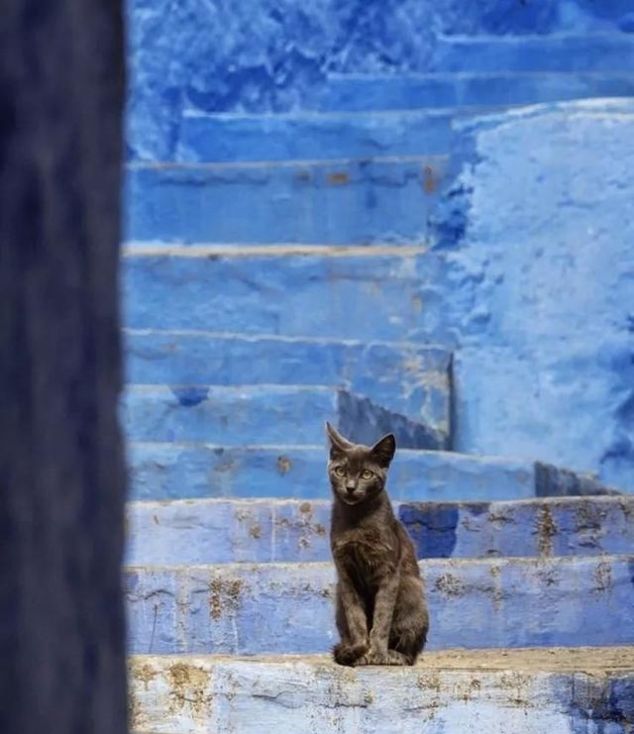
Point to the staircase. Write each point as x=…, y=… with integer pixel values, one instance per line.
x=286, y=269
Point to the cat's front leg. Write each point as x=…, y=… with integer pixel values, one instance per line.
x=351, y=623
x=384, y=603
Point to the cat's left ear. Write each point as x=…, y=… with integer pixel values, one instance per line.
x=383, y=451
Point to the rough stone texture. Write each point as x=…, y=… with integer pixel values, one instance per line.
x=61, y=472
x=255, y=531
x=523, y=691
x=546, y=269
x=283, y=608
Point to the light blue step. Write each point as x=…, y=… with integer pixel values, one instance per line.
x=316, y=202
x=268, y=414
x=587, y=52
x=228, y=415
x=260, y=531
x=162, y=471
x=289, y=608
x=528, y=691
x=406, y=378
x=309, y=136
x=391, y=294
x=358, y=92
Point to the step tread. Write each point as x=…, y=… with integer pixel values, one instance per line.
x=278, y=338
x=256, y=165
x=450, y=76
x=171, y=470
x=462, y=89
x=239, y=414
x=358, y=201
x=319, y=567
x=546, y=659
x=306, y=295
x=134, y=249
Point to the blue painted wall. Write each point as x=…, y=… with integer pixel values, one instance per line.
x=545, y=269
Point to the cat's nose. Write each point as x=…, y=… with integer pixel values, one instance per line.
x=350, y=488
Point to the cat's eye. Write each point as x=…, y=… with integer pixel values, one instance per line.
x=366, y=474
x=339, y=471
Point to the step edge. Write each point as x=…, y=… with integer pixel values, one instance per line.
x=282, y=339
x=134, y=249
x=247, y=566
x=177, y=165
x=599, y=500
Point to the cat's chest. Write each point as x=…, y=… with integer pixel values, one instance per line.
x=363, y=552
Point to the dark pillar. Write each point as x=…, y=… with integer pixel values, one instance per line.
x=62, y=665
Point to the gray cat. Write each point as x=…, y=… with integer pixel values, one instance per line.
x=381, y=612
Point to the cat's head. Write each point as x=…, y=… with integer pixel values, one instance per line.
x=358, y=473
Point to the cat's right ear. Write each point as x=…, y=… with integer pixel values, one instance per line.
x=338, y=444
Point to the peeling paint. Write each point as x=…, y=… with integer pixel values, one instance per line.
x=188, y=689
x=546, y=529
x=224, y=596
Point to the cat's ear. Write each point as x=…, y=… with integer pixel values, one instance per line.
x=338, y=444
x=383, y=451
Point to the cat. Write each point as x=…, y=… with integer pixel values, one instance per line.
x=381, y=613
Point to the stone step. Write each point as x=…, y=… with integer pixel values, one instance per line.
x=365, y=294
x=528, y=691
x=227, y=138
x=261, y=531
x=587, y=52
x=289, y=608
x=315, y=202
x=163, y=471
x=365, y=92
x=406, y=378
x=176, y=470
x=269, y=414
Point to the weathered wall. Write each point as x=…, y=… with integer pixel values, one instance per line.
x=62, y=664
x=545, y=273
x=273, y=55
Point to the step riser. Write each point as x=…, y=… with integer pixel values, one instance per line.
x=357, y=203
x=356, y=94
x=312, y=137
x=385, y=297
x=291, y=696
x=233, y=417
x=164, y=471
x=541, y=53
x=413, y=381
x=260, y=532
x=289, y=608
x=268, y=415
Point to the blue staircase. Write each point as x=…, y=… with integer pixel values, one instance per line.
x=294, y=264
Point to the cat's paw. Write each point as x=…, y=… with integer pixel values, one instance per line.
x=387, y=657
x=345, y=653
